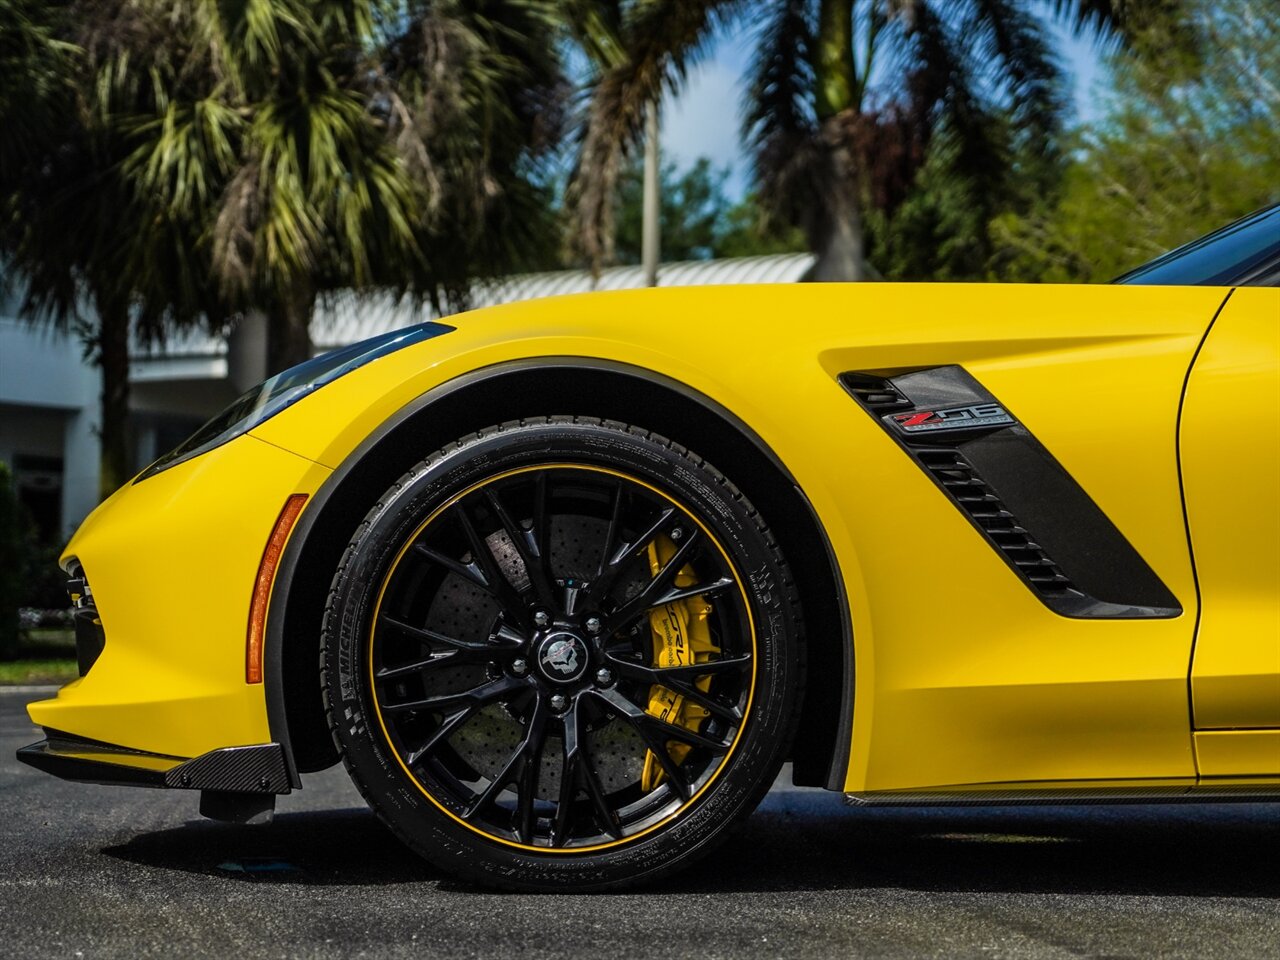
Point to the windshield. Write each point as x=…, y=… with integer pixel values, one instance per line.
x=1245, y=252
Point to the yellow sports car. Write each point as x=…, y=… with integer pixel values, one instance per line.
x=564, y=583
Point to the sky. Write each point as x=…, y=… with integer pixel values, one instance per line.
x=704, y=120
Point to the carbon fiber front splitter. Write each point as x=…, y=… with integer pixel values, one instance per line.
x=236, y=783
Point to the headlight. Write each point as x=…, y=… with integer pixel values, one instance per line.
x=284, y=389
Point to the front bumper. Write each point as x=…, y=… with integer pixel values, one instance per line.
x=172, y=561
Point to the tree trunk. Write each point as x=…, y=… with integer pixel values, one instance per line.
x=835, y=230
x=113, y=360
x=837, y=239
x=289, y=329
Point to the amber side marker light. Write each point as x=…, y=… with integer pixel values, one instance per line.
x=262, y=588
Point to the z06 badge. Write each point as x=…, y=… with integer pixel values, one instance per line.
x=952, y=418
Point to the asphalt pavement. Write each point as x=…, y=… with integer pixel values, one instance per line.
x=88, y=871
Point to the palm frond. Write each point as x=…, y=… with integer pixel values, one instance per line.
x=1123, y=20
x=662, y=40
x=944, y=91
x=37, y=65
x=1020, y=64
x=779, y=125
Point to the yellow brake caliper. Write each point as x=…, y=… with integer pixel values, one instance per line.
x=680, y=637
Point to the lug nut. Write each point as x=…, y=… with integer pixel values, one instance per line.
x=593, y=624
x=676, y=533
x=604, y=677
x=558, y=702
x=541, y=618
x=519, y=667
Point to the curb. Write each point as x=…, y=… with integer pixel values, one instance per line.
x=31, y=688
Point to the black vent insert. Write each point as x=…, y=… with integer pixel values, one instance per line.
x=948, y=466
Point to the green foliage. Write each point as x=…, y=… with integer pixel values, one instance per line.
x=1189, y=141
x=12, y=565
x=746, y=231
x=941, y=228
x=692, y=207
x=697, y=219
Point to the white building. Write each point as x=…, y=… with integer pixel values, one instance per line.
x=49, y=394
x=48, y=422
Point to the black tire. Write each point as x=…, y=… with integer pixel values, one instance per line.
x=538, y=500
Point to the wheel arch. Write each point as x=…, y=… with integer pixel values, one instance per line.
x=558, y=386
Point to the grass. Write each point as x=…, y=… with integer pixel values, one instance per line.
x=45, y=655
x=48, y=642
x=22, y=672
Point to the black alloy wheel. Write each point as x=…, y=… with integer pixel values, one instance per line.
x=547, y=647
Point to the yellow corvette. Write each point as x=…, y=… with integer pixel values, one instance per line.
x=564, y=583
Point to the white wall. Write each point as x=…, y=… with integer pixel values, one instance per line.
x=49, y=407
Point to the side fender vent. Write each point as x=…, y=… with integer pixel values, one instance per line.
x=1016, y=494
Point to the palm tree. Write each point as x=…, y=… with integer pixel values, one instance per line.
x=844, y=98
x=86, y=250
x=341, y=144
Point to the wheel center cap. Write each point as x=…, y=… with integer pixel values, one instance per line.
x=562, y=657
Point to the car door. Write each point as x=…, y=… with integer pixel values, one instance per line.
x=1230, y=454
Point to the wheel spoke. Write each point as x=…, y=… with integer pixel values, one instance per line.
x=432, y=662
x=520, y=768
x=541, y=531
x=640, y=718
x=653, y=736
x=702, y=698
x=625, y=616
x=570, y=758
x=611, y=532
x=711, y=589
x=527, y=793
x=491, y=692
x=496, y=581
x=526, y=547
x=510, y=639
x=678, y=674
x=615, y=564
x=605, y=817
x=468, y=571
x=449, y=726
x=577, y=769
x=677, y=783
x=693, y=738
